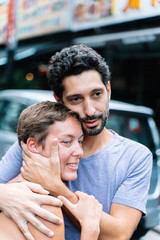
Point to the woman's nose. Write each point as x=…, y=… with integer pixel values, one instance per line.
x=78, y=150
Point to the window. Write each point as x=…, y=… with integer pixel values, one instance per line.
x=131, y=126
x=9, y=114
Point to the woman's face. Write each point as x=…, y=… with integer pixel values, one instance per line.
x=70, y=136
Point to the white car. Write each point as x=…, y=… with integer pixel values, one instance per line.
x=129, y=120
x=12, y=102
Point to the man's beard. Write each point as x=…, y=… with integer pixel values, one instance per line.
x=95, y=130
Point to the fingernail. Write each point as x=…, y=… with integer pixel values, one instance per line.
x=60, y=198
x=50, y=234
x=60, y=222
x=61, y=203
x=47, y=192
x=55, y=141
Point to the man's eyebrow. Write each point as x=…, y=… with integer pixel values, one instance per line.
x=97, y=89
x=69, y=97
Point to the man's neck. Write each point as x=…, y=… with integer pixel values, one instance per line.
x=93, y=144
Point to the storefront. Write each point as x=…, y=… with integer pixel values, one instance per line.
x=125, y=32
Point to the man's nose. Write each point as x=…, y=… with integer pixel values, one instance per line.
x=88, y=108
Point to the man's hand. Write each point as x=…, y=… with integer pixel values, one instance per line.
x=22, y=201
x=88, y=212
x=38, y=169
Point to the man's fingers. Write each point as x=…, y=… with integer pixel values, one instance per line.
x=24, y=165
x=49, y=200
x=23, y=169
x=23, y=226
x=55, y=155
x=54, y=150
x=41, y=227
x=38, y=225
x=28, y=155
x=25, y=149
x=37, y=188
x=66, y=202
x=45, y=214
x=80, y=194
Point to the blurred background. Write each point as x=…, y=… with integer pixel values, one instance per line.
x=126, y=33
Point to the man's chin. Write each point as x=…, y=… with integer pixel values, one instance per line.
x=92, y=132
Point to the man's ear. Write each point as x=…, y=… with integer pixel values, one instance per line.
x=109, y=89
x=32, y=145
x=57, y=98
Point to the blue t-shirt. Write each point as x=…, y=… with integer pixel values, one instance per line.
x=118, y=173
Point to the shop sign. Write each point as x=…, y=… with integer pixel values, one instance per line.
x=88, y=13
x=96, y=13
x=3, y=19
x=10, y=38
x=39, y=17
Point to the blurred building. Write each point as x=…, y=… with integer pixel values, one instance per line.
x=125, y=32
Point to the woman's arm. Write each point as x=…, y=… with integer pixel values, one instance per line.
x=10, y=231
x=57, y=230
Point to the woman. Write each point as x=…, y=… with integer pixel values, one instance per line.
x=40, y=126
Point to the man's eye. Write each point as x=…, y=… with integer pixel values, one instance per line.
x=97, y=94
x=75, y=99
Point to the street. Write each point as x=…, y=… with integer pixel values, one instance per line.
x=153, y=234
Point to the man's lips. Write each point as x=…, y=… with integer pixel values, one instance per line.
x=91, y=123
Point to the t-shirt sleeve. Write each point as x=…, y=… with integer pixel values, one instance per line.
x=11, y=163
x=133, y=191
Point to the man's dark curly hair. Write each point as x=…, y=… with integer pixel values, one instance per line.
x=73, y=61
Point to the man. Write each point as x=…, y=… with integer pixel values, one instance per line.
x=114, y=169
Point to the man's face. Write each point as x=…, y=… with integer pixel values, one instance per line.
x=87, y=95
x=70, y=136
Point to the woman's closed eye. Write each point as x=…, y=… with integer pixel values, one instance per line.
x=80, y=140
x=67, y=142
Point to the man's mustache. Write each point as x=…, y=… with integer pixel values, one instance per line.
x=94, y=117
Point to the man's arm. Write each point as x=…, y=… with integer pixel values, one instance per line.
x=11, y=163
x=119, y=224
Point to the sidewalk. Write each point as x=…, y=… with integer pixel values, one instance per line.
x=152, y=234
x=157, y=229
